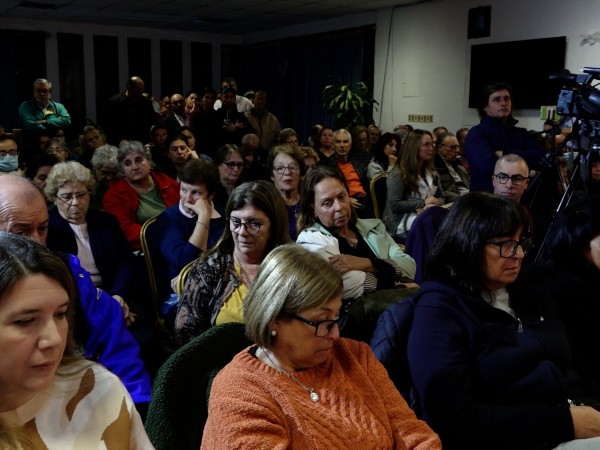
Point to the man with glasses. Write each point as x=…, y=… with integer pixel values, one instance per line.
x=41, y=115
x=453, y=176
x=9, y=157
x=497, y=135
x=511, y=176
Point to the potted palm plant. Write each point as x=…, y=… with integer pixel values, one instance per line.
x=351, y=104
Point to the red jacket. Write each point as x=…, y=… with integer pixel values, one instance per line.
x=122, y=200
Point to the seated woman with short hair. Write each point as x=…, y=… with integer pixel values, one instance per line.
x=301, y=386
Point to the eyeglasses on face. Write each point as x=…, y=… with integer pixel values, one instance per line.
x=503, y=178
x=234, y=165
x=453, y=146
x=322, y=327
x=4, y=153
x=292, y=168
x=252, y=226
x=68, y=198
x=509, y=247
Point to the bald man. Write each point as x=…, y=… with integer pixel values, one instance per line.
x=101, y=328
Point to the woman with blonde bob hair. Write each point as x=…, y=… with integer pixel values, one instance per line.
x=285, y=391
x=43, y=381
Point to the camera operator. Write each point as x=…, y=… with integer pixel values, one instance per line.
x=496, y=135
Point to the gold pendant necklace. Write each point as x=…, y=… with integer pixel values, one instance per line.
x=311, y=391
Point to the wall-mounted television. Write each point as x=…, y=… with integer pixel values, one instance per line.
x=525, y=65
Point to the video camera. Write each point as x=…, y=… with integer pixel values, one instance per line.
x=579, y=98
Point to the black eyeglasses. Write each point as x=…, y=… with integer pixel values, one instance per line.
x=234, y=165
x=322, y=327
x=517, y=180
x=509, y=247
x=4, y=153
x=252, y=226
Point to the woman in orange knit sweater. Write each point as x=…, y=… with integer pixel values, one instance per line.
x=301, y=385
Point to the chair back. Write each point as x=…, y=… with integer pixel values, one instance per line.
x=156, y=266
x=183, y=276
x=179, y=406
x=421, y=236
x=378, y=190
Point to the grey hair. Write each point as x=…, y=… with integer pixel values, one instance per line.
x=68, y=172
x=133, y=146
x=340, y=131
x=42, y=81
x=105, y=156
x=310, y=282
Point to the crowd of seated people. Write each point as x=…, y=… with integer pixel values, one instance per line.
x=223, y=202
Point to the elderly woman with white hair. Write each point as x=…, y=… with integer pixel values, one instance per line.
x=94, y=236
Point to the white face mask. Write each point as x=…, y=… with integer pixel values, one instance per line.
x=9, y=163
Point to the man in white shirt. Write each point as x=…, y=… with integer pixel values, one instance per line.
x=243, y=104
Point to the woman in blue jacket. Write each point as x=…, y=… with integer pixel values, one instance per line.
x=490, y=359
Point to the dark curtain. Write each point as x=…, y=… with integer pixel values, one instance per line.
x=295, y=71
x=106, y=57
x=72, y=81
x=23, y=60
x=171, y=70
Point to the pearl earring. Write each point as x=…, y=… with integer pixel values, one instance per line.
x=273, y=332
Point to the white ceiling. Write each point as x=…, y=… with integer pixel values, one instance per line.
x=236, y=17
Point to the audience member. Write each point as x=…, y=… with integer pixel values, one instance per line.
x=105, y=168
x=286, y=168
x=264, y=122
x=412, y=185
x=289, y=136
x=453, y=176
x=178, y=117
x=315, y=136
x=204, y=123
x=188, y=132
x=129, y=115
x=230, y=163
x=461, y=135
x=193, y=225
x=93, y=137
x=9, y=156
x=100, y=327
x=285, y=391
x=326, y=151
x=44, y=381
x=511, y=176
x=37, y=170
x=385, y=153
x=219, y=280
x=496, y=135
x=58, y=147
x=158, y=139
x=40, y=115
x=255, y=158
x=232, y=125
x=140, y=194
x=360, y=249
x=242, y=103
x=94, y=236
x=570, y=272
x=178, y=153
x=310, y=157
x=354, y=173
x=374, y=134
x=489, y=357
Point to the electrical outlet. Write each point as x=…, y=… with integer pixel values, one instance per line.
x=422, y=118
